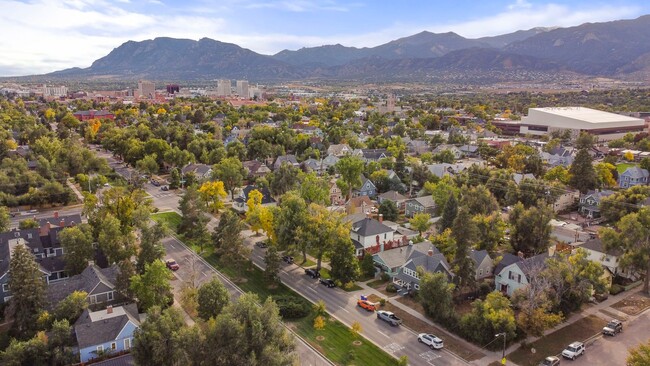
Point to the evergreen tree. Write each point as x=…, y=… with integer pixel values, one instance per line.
x=27, y=288
x=583, y=173
x=272, y=260
x=449, y=213
x=400, y=164
x=464, y=233
x=228, y=242
x=193, y=221
x=389, y=210
x=175, y=179
x=151, y=248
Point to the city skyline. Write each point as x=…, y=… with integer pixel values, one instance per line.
x=46, y=35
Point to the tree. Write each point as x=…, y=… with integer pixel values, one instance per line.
x=27, y=290
x=623, y=202
x=436, y=296
x=449, y=213
x=213, y=192
x=157, y=341
x=72, y=306
x=356, y=329
x=389, y=210
x=124, y=275
x=272, y=260
x=292, y=214
x=228, y=242
x=283, y=179
x=193, y=221
x=28, y=224
x=115, y=244
x=632, y=238
x=253, y=214
x=530, y=229
x=30, y=352
x=60, y=344
x=319, y=322
x=558, y=173
x=367, y=266
x=350, y=167
x=420, y=222
x=77, y=244
x=314, y=189
x=489, y=317
x=605, y=173
x=479, y=201
x=639, y=356
x=464, y=233
x=152, y=288
x=4, y=219
x=212, y=298
x=148, y=165
x=583, y=175
x=321, y=230
x=491, y=231
x=345, y=266
x=231, y=172
x=151, y=248
x=174, y=179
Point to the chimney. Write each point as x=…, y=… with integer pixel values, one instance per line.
x=430, y=252
x=520, y=254
x=551, y=250
x=109, y=309
x=56, y=214
x=381, y=217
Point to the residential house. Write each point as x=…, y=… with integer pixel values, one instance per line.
x=395, y=197
x=518, y=177
x=369, y=233
x=454, y=150
x=339, y=150
x=374, y=154
x=361, y=204
x=518, y=274
x=255, y=169
x=633, y=176
x=288, y=159
x=608, y=258
x=336, y=195
x=367, y=188
x=200, y=171
x=470, y=151
x=483, y=264
x=417, y=147
x=313, y=165
x=8, y=242
x=424, y=204
x=98, y=283
x=557, y=157
x=442, y=169
x=407, y=278
x=566, y=200
x=589, y=205
x=106, y=331
x=91, y=114
x=240, y=203
x=329, y=161
x=390, y=261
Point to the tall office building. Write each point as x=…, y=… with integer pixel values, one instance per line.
x=54, y=91
x=242, y=89
x=224, y=88
x=146, y=89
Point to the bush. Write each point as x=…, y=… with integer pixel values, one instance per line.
x=385, y=276
x=382, y=302
x=483, y=289
x=616, y=289
x=391, y=287
x=292, y=307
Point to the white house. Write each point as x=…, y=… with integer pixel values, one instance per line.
x=369, y=232
x=516, y=275
x=607, y=258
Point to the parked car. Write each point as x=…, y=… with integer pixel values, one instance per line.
x=155, y=182
x=171, y=264
x=430, y=340
x=365, y=304
x=164, y=188
x=288, y=259
x=311, y=272
x=261, y=244
x=614, y=326
x=389, y=317
x=574, y=350
x=327, y=282
x=550, y=361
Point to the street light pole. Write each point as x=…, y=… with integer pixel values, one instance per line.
x=503, y=352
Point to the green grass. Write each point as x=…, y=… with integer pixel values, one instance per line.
x=306, y=264
x=353, y=287
x=338, y=339
x=377, y=283
x=623, y=166
x=555, y=342
x=337, y=343
x=169, y=219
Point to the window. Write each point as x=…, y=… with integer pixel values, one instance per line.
x=519, y=278
x=113, y=346
x=5, y=287
x=127, y=343
x=110, y=296
x=480, y=272
x=511, y=276
x=100, y=349
x=93, y=299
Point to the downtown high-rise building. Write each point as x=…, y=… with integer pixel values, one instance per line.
x=242, y=89
x=224, y=88
x=146, y=89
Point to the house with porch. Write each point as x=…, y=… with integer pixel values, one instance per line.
x=369, y=233
x=516, y=275
x=395, y=197
x=608, y=258
x=285, y=159
x=407, y=277
x=367, y=188
x=98, y=283
x=107, y=331
x=424, y=204
x=633, y=176
x=589, y=205
x=339, y=150
x=390, y=261
x=200, y=171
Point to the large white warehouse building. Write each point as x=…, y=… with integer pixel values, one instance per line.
x=604, y=125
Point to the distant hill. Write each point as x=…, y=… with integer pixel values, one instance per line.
x=614, y=49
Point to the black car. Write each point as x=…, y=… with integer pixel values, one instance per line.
x=288, y=259
x=261, y=244
x=327, y=282
x=312, y=273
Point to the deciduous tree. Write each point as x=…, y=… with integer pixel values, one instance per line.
x=213, y=193
x=152, y=288
x=489, y=317
x=639, y=355
x=530, y=229
x=272, y=261
x=77, y=244
x=212, y=298
x=231, y=172
x=350, y=168
x=158, y=341
x=436, y=296
x=151, y=248
x=420, y=222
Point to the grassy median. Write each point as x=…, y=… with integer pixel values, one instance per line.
x=169, y=219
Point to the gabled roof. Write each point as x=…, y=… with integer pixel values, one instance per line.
x=392, y=196
x=370, y=227
x=364, y=180
x=67, y=220
x=506, y=260
x=635, y=172
x=596, y=245
x=198, y=169
x=291, y=159
x=598, y=195
x=28, y=237
x=478, y=256
x=312, y=164
x=374, y=154
x=94, y=328
x=428, y=262
x=397, y=257
x=92, y=280
x=518, y=177
x=529, y=264
x=266, y=194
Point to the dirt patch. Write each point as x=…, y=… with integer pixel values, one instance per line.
x=420, y=326
x=373, y=298
x=357, y=343
x=320, y=338
x=633, y=304
x=612, y=315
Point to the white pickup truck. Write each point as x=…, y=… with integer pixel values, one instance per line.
x=389, y=317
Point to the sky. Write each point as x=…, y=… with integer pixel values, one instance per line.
x=40, y=36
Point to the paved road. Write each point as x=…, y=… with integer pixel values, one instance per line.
x=607, y=351
x=398, y=341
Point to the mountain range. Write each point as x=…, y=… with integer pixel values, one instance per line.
x=613, y=49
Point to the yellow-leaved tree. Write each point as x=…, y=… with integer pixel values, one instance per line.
x=212, y=193
x=253, y=215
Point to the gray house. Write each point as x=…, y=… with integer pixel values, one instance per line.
x=483, y=264
x=407, y=277
x=589, y=205
x=390, y=261
x=419, y=205
x=98, y=283
x=394, y=197
x=367, y=188
x=633, y=176
x=288, y=159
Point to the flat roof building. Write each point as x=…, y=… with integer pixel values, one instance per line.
x=604, y=125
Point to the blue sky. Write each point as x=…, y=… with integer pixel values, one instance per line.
x=46, y=35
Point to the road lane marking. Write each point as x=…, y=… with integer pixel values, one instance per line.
x=172, y=245
x=204, y=274
x=384, y=334
x=309, y=288
x=342, y=308
x=393, y=347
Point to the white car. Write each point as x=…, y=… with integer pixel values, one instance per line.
x=574, y=350
x=430, y=340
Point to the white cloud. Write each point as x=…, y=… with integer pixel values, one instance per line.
x=520, y=4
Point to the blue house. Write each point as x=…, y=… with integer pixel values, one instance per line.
x=367, y=188
x=106, y=331
x=633, y=176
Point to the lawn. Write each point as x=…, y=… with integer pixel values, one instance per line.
x=169, y=219
x=306, y=264
x=377, y=283
x=555, y=342
x=623, y=166
x=336, y=342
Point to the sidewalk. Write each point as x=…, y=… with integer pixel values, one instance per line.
x=75, y=190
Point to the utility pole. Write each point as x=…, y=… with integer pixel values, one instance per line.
x=503, y=352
